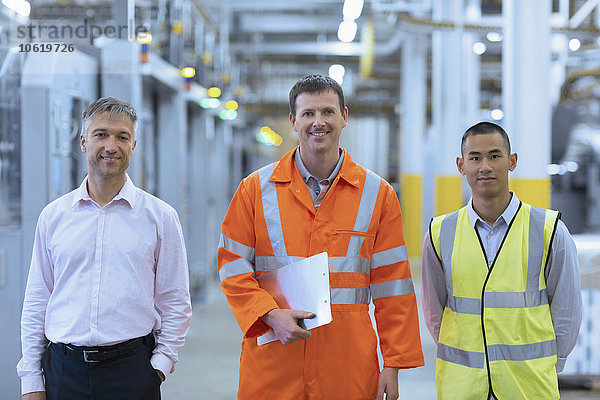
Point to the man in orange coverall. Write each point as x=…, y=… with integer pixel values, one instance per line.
x=317, y=199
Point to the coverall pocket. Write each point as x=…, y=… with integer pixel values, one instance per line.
x=345, y=242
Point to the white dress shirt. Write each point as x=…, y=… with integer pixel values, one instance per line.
x=562, y=278
x=99, y=274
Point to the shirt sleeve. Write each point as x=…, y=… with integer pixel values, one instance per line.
x=171, y=294
x=433, y=288
x=235, y=259
x=563, y=283
x=392, y=289
x=40, y=284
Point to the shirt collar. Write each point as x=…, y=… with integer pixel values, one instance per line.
x=306, y=175
x=127, y=192
x=507, y=215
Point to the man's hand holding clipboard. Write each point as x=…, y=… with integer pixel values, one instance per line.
x=302, y=293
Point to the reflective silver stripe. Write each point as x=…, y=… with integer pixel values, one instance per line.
x=537, y=219
x=271, y=263
x=397, y=287
x=236, y=247
x=464, y=305
x=365, y=212
x=522, y=352
x=349, y=264
x=349, y=295
x=447, y=235
x=388, y=257
x=471, y=359
x=336, y=264
x=467, y=305
x=516, y=299
x=268, y=192
x=236, y=267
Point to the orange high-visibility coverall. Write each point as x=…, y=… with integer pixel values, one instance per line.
x=272, y=222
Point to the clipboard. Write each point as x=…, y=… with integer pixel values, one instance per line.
x=302, y=285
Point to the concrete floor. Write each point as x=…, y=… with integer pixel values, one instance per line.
x=209, y=361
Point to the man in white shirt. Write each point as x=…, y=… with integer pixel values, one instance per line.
x=107, y=302
x=501, y=285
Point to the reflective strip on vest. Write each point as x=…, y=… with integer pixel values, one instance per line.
x=468, y=305
x=365, y=212
x=522, y=352
x=537, y=221
x=236, y=267
x=465, y=305
x=389, y=257
x=497, y=352
x=447, y=234
x=471, y=359
x=397, y=287
x=351, y=263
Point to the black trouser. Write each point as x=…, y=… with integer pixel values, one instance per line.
x=124, y=372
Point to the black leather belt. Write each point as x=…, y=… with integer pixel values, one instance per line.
x=105, y=353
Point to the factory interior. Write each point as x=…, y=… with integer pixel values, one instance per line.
x=210, y=81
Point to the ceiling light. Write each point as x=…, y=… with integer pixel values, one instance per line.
x=232, y=105
x=347, y=31
x=574, y=44
x=22, y=7
x=497, y=114
x=479, y=48
x=336, y=72
x=494, y=36
x=352, y=9
x=214, y=91
x=188, y=72
x=144, y=37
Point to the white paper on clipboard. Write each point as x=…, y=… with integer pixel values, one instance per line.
x=303, y=286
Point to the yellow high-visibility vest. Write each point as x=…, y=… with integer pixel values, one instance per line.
x=496, y=335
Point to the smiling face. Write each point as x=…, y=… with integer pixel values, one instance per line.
x=319, y=122
x=486, y=163
x=109, y=144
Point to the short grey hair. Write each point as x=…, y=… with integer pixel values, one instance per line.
x=115, y=106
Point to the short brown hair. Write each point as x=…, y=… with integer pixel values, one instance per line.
x=315, y=84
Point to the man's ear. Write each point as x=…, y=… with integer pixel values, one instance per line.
x=82, y=142
x=460, y=165
x=293, y=122
x=513, y=162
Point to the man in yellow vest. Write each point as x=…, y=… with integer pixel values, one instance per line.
x=501, y=286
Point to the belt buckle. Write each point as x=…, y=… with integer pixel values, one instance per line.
x=85, y=356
